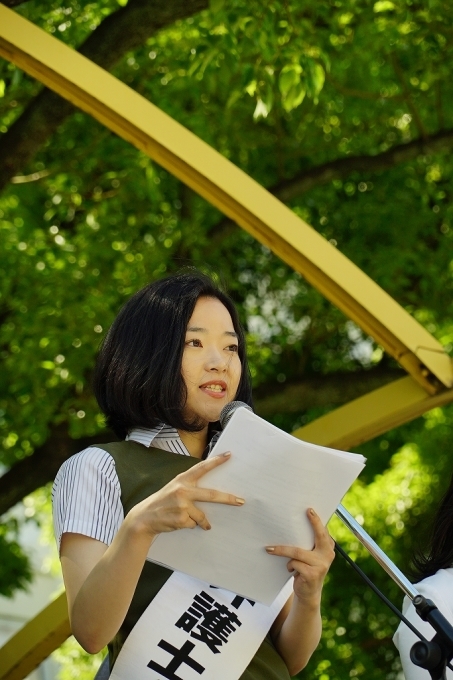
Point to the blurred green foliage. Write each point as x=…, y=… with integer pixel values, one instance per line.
x=76, y=664
x=279, y=88
x=15, y=570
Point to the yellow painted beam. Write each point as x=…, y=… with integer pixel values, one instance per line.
x=35, y=641
x=373, y=414
x=232, y=191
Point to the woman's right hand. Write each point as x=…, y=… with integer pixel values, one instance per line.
x=173, y=507
x=100, y=581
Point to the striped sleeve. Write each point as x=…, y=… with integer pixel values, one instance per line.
x=86, y=497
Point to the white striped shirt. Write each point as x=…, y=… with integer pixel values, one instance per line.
x=86, y=495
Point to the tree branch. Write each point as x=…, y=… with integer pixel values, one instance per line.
x=334, y=389
x=329, y=390
x=120, y=32
x=13, y=3
x=360, y=94
x=341, y=168
x=42, y=466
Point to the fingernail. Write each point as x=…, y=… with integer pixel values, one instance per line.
x=208, y=527
x=226, y=454
x=311, y=512
x=240, y=501
x=270, y=549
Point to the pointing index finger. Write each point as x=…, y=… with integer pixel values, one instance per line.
x=200, y=469
x=213, y=496
x=210, y=495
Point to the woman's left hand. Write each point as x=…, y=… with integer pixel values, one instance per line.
x=309, y=566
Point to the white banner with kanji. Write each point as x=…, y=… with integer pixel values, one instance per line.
x=192, y=629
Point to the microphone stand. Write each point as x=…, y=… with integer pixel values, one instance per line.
x=433, y=655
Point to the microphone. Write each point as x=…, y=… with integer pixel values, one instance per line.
x=227, y=412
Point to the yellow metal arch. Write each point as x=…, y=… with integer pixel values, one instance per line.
x=373, y=414
x=35, y=641
x=224, y=185
x=239, y=197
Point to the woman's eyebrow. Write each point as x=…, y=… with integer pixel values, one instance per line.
x=196, y=329
x=199, y=329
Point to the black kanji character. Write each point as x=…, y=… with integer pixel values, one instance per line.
x=180, y=656
x=238, y=600
x=201, y=604
x=187, y=621
x=216, y=626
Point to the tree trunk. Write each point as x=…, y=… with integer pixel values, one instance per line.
x=120, y=32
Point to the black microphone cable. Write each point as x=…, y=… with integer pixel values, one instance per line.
x=385, y=599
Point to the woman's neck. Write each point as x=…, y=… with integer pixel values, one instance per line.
x=195, y=442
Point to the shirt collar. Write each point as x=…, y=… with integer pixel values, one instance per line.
x=167, y=438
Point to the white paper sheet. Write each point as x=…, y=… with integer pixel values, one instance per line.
x=280, y=477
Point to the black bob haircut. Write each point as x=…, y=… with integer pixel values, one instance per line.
x=440, y=549
x=137, y=377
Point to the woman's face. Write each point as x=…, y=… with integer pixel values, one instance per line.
x=211, y=368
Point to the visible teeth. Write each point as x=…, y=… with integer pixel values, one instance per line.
x=214, y=388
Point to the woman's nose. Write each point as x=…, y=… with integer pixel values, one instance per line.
x=216, y=361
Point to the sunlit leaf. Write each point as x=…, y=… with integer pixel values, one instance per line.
x=383, y=6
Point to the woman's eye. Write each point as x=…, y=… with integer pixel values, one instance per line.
x=233, y=348
x=194, y=343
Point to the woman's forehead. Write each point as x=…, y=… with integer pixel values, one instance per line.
x=210, y=313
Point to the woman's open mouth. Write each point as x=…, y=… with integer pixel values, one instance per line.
x=215, y=389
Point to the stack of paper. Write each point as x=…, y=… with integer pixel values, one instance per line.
x=280, y=477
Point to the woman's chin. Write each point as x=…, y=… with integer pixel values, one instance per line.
x=212, y=415
x=203, y=418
